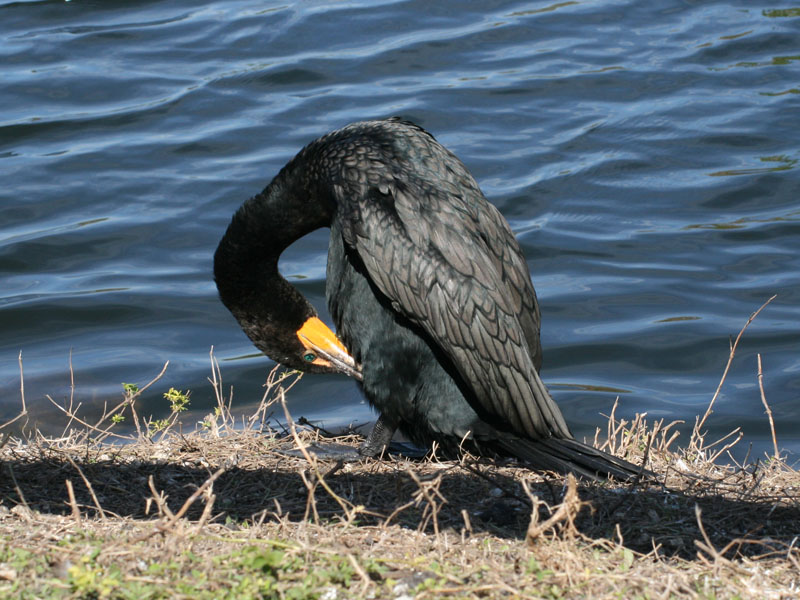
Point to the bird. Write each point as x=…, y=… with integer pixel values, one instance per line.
x=430, y=293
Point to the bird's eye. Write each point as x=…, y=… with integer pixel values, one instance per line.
x=310, y=357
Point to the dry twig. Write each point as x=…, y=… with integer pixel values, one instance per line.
x=428, y=490
x=697, y=435
x=767, y=408
x=76, y=512
x=350, y=510
x=565, y=512
x=24, y=411
x=89, y=487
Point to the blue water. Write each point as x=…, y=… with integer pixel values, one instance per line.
x=646, y=154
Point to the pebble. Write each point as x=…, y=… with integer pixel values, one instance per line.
x=330, y=593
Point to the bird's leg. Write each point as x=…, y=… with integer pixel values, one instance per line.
x=378, y=439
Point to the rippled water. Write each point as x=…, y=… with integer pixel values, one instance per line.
x=646, y=153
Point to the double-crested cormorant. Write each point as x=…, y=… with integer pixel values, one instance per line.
x=427, y=286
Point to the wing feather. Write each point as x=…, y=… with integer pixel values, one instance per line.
x=448, y=261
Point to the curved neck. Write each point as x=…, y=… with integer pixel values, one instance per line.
x=246, y=260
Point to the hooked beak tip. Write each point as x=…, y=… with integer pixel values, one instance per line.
x=342, y=362
x=349, y=367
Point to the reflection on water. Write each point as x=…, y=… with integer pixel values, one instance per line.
x=785, y=163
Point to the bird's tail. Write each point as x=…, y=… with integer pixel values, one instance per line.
x=572, y=456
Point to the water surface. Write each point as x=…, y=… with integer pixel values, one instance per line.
x=645, y=153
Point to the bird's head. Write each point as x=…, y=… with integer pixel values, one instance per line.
x=307, y=345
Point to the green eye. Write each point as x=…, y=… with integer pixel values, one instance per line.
x=310, y=357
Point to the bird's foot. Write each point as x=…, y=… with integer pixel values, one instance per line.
x=378, y=442
x=332, y=451
x=379, y=437
x=327, y=451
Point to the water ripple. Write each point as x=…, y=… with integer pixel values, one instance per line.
x=642, y=152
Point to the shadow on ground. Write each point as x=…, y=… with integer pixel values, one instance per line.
x=268, y=485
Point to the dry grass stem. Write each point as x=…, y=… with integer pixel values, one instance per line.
x=562, y=519
x=24, y=410
x=428, y=491
x=172, y=518
x=767, y=409
x=349, y=509
x=697, y=435
x=76, y=512
x=160, y=499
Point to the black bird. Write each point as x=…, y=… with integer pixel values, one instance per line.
x=427, y=286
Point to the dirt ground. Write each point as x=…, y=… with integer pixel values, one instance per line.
x=224, y=512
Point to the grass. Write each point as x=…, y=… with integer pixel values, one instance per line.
x=221, y=512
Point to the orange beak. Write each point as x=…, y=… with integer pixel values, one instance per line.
x=319, y=340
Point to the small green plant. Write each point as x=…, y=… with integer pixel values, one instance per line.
x=534, y=568
x=130, y=388
x=89, y=580
x=179, y=401
x=117, y=418
x=256, y=559
x=627, y=560
x=156, y=425
x=430, y=584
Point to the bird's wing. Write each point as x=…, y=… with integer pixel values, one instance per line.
x=448, y=261
x=515, y=277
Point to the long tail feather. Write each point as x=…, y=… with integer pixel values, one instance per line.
x=571, y=456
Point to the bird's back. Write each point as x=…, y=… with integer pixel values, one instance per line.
x=444, y=259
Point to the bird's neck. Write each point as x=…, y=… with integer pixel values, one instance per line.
x=246, y=261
